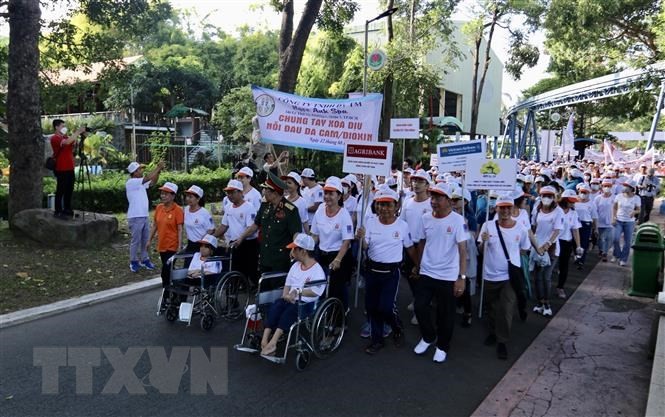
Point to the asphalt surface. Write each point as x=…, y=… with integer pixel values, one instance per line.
x=395, y=382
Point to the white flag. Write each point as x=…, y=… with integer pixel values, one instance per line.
x=568, y=138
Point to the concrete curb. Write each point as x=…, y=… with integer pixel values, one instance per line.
x=30, y=314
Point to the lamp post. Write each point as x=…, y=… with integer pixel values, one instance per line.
x=387, y=13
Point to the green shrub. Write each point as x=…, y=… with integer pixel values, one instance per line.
x=106, y=192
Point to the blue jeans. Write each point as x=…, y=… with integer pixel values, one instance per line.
x=283, y=314
x=380, y=297
x=621, y=253
x=605, y=239
x=585, y=236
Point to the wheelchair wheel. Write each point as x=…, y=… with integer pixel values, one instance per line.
x=171, y=314
x=327, y=328
x=232, y=296
x=302, y=360
x=207, y=322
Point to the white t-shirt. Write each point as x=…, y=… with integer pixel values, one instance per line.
x=413, y=211
x=586, y=210
x=137, y=196
x=298, y=277
x=254, y=197
x=570, y=223
x=386, y=241
x=238, y=219
x=208, y=267
x=198, y=223
x=441, y=254
x=301, y=205
x=546, y=223
x=516, y=238
x=312, y=196
x=626, y=205
x=604, y=208
x=332, y=231
x=523, y=219
x=351, y=204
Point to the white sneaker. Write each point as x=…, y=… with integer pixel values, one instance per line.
x=613, y=259
x=421, y=347
x=414, y=320
x=547, y=311
x=410, y=306
x=622, y=263
x=439, y=356
x=538, y=309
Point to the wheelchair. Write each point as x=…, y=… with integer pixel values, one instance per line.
x=211, y=297
x=319, y=333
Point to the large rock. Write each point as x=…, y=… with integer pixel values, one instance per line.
x=86, y=229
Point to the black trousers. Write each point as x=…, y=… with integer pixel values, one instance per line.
x=166, y=268
x=340, y=278
x=566, y=249
x=63, y=191
x=645, y=208
x=246, y=258
x=443, y=291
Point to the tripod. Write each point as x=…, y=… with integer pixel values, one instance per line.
x=81, y=178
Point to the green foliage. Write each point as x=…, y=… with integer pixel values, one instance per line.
x=233, y=115
x=158, y=142
x=323, y=63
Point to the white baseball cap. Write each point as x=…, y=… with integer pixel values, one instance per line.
x=570, y=195
x=132, y=167
x=333, y=184
x=308, y=173
x=441, y=188
x=210, y=240
x=196, y=190
x=505, y=200
x=169, y=187
x=234, y=185
x=294, y=176
x=245, y=171
x=421, y=173
x=385, y=194
x=303, y=241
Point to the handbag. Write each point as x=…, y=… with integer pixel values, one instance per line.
x=50, y=161
x=515, y=273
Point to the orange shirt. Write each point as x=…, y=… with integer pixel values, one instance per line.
x=167, y=221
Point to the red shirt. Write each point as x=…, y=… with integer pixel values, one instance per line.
x=64, y=154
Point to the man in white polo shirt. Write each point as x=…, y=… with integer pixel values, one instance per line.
x=137, y=214
x=499, y=294
x=312, y=192
x=238, y=216
x=442, y=247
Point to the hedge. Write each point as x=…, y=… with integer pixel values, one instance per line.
x=106, y=193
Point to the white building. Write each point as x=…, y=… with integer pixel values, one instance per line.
x=455, y=85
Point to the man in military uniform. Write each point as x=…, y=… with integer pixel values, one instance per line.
x=278, y=221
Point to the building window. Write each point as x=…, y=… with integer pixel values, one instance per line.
x=450, y=104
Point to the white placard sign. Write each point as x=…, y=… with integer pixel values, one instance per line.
x=405, y=128
x=433, y=160
x=454, y=156
x=491, y=174
x=368, y=158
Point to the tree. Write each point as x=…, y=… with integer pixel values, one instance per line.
x=480, y=31
x=332, y=14
x=26, y=146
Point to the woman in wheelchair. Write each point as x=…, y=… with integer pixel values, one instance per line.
x=284, y=312
x=199, y=264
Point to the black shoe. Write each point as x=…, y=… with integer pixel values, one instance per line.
x=522, y=313
x=373, y=348
x=466, y=320
x=501, y=351
x=490, y=340
x=398, y=338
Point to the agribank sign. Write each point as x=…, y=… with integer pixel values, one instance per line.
x=313, y=123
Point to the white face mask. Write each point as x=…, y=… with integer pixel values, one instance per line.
x=63, y=130
x=584, y=196
x=627, y=189
x=607, y=190
x=547, y=200
x=595, y=187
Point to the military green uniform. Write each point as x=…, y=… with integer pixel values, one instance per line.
x=278, y=225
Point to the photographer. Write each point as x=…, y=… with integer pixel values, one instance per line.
x=63, y=153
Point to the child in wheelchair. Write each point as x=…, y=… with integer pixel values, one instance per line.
x=284, y=311
x=199, y=264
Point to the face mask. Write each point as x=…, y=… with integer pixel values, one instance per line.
x=492, y=203
x=584, y=196
x=63, y=130
x=520, y=184
x=346, y=190
x=547, y=200
x=607, y=190
x=595, y=187
x=627, y=189
x=587, y=178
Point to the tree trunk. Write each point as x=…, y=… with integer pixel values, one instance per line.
x=291, y=57
x=387, y=112
x=26, y=145
x=474, y=89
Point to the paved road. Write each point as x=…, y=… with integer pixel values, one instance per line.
x=393, y=383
